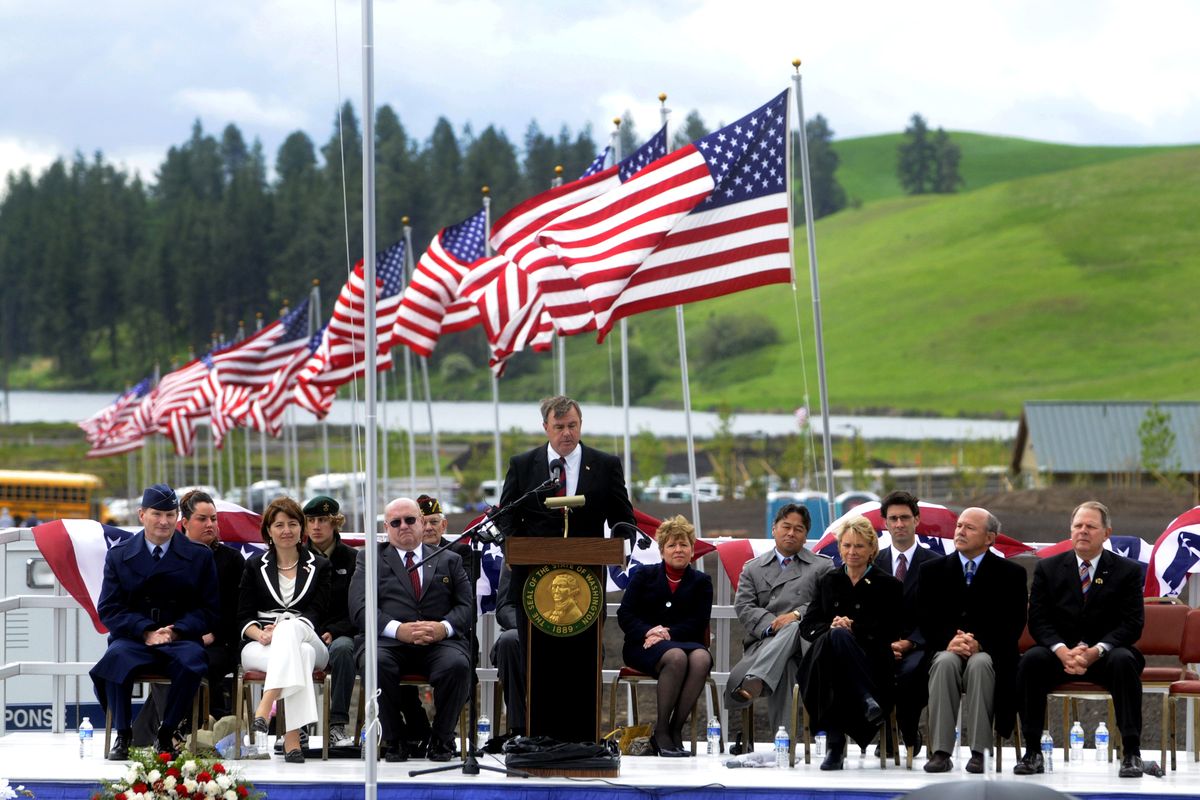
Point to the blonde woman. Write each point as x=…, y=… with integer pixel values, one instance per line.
x=284, y=592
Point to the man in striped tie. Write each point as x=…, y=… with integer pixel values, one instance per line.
x=1086, y=614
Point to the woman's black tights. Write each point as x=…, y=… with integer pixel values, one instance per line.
x=681, y=676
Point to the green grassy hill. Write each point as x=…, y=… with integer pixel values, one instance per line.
x=1076, y=284
x=867, y=169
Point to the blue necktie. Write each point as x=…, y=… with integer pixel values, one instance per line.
x=970, y=572
x=157, y=552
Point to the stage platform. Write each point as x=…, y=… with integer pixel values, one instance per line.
x=50, y=766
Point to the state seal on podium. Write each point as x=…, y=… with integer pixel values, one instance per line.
x=562, y=599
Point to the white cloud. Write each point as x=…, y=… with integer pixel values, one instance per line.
x=241, y=106
x=17, y=154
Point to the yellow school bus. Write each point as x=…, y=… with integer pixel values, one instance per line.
x=50, y=495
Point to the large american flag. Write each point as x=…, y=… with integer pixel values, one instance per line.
x=431, y=303
x=265, y=411
x=110, y=431
x=712, y=218
x=254, y=360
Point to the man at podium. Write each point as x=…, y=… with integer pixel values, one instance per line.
x=581, y=470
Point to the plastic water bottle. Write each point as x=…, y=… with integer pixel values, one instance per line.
x=86, y=734
x=1076, y=741
x=782, y=742
x=819, y=744
x=1101, y=742
x=714, y=736
x=1048, y=750
x=483, y=731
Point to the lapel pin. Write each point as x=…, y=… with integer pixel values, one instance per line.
x=445, y=579
x=1099, y=581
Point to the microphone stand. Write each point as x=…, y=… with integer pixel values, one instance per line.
x=475, y=533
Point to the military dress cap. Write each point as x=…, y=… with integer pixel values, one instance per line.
x=429, y=505
x=160, y=497
x=321, y=506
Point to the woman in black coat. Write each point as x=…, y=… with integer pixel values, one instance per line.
x=283, y=594
x=665, y=614
x=846, y=676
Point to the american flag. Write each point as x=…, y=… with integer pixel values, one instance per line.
x=511, y=312
x=597, y=163
x=431, y=302
x=712, y=218
x=254, y=360
x=555, y=300
x=1175, y=557
x=225, y=411
x=110, y=431
x=266, y=409
x=180, y=425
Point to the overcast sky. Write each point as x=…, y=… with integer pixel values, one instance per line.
x=128, y=77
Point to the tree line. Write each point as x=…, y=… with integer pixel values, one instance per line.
x=108, y=274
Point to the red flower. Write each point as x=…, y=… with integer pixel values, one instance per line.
x=96, y=796
x=139, y=787
x=204, y=777
x=218, y=768
x=198, y=795
x=119, y=796
x=242, y=791
x=174, y=772
x=164, y=757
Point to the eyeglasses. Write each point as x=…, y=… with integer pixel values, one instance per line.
x=398, y=521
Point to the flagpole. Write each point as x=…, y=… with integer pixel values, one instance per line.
x=616, y=146
x=408, y=383
x=383, y=405
x=496, y=454
x=816, y=290
x=314, y=319
x=681, y=333
x=560, y=342
x=370, y=661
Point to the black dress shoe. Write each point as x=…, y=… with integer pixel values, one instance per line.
x=871, y=711
x=835, y=756
x=975, y=763
x=674, y=752
x=395, y=752
x=440, y=751
x=120, y=748
x=939, y=762
x=1030, y=764
x=294, y=756
x=1131, y=766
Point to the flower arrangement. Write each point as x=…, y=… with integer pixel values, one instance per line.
x=9, y=792
x=159, y=776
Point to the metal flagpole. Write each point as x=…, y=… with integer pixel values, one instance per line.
x=208, y=447
x=314, y=320
x=370, y=661
x=433, y=437
x=409, y=261
x=383, y=394
x=816, y=290
x=616, y=146
x=681, y=332
x=496, y=454
x=560, y=342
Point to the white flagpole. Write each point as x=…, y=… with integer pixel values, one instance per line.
x=816, y=289
x=681, y=332
x=496, y=454
x=616, y=148
x=560, y=342
x=314, y=321
x=433, y=437
x=383, y=446
x=409, y=262
x=370, y=661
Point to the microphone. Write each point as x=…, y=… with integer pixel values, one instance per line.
x=556, y=470
x=635, y=536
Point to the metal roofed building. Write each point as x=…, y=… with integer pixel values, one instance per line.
x=1063, y=441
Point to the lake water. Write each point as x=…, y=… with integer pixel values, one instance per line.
x=598, y=420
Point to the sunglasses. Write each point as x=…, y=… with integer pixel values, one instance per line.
x=395, y=523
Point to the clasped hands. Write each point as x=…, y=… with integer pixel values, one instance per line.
x=422, y=632
x=1078, y=659
x=963, y=644
x=164, y=635
x=655, y=635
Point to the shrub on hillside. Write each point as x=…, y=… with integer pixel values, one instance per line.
x=728, y=335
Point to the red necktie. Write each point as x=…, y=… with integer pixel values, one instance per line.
x=562, y=477
x=412, y=575
x=902, y=568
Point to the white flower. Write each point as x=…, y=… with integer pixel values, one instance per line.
x=6, y=791
x=190, y=785
x=230, y=795
x=189, y=767
x=169, y=782
x=133, y=773
x=211, y=788
x=224, y=781
x=153, y=776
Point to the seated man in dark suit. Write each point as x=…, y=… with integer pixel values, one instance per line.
x=324, y=523
x=157, y=601
x=425, y=616
x=903, y=559
x=508, y=657
x=1086, y=613
x=971, y=608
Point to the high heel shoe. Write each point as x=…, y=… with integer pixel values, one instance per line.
x=835, y=757
x=260, y=725
x=666, y=752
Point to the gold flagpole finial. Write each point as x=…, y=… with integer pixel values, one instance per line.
x=485, y=191
x=662, y=97
x=316, y=281
x=617, y=121
x=796, y=64
x=558, y=170
x=404, y=220
x=258, y=315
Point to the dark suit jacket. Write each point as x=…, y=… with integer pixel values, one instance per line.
x=992, y=608
x=139, y=595
x=908, y=619
x=259, y=599
x=601, y=481
x=874, y=605
x=649, y=602
x=336, y=620
x=445, y=595
x=230, y=566
x=1113, y=613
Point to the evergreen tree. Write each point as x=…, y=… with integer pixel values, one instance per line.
x=400, y=187
x=541, y=157
x=946, y=155
x=296, y=225
x=915, y=166
x=693, y=128
x=628, y=135
x=491, y=160
x=828, y=194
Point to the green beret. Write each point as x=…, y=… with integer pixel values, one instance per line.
x=321, y=506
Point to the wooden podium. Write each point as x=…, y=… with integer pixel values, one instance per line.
x=563, y=672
